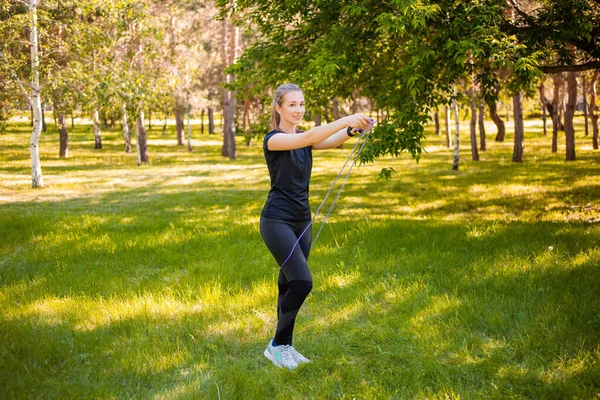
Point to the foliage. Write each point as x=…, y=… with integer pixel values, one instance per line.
x=404, y=55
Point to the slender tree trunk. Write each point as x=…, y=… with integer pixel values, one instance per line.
x=72, y=120
x=436, y=120
x=211, y=121
x=585, y=105
x=230, y=31
x=318, y=119
x=245, y=116
x=497, y=120
x=63, y=136
x=36, y=105
x=507, y=113
x=97, y=133
x=569, y=113
x=336, y=109
x=189, y=126
x=202, y=121
x=482, y=138
x=543, y=101
x=519, y=128
x=126, y=131
x=150, y=119
x=164, y=130
x=557, y=81
x=448, y=129
x=44, y=127
x=593, y=109
x=562, y=109
x=142, y=140
x=455, y=159
x=473, y=125
x=179, y=124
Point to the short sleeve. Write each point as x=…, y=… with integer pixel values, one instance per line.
x=267, y=137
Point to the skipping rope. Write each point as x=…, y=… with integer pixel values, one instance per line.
x=354, y=154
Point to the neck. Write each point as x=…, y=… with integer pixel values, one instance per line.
x=287, y=127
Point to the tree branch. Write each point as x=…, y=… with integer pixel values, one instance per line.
x=554, y=69
x=522, y=13
x=16, y=77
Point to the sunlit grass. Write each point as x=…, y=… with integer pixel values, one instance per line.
x=118, y=281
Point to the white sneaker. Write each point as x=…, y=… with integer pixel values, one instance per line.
x=299, y=358
x=281, y=356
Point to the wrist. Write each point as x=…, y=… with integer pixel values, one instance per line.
x=349, y=132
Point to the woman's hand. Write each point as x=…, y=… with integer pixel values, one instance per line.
x=358, y=121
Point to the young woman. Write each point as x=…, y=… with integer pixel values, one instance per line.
x=286, y=214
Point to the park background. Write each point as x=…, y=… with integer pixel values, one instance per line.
x=134, y=268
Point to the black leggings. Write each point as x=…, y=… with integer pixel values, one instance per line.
x=295, y=280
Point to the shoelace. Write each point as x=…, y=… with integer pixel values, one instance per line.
x=363, y=140
x=286, y=353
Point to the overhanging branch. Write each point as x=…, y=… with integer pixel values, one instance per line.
x=555, y=69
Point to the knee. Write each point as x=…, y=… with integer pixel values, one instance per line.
x=302, y=288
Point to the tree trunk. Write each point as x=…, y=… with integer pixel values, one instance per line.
x=436, y=120
x=318, y=119
x=473, y=125
x=507, y=113
x=72, y=120
x=593, y=108
x=245, y=116
x=44, y=127
x=211, y=121
x=483, y=142
x=519, y=128
x=497, y=120
x=97, y=133
x=164, y=130
x=569, y=113
x=36, y=105
x=202, y=121
x=557, y=81
x=336, y=109
x=142, y=140
x=189, y=126
x=448, y=129
x=179, y=124
x=63, y=136
x=456, y=136
x=150, y=119
x=585, y=106
x=544, y=101
x=126, y=131
x=230, y=42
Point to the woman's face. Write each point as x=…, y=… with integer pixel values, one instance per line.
x=292, y=108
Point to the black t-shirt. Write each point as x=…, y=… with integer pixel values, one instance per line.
x=290, y=176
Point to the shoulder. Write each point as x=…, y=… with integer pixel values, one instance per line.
x=269, y=136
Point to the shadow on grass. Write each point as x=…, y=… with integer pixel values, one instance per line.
x=433, y=308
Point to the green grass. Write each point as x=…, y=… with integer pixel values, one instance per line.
x=118, y=281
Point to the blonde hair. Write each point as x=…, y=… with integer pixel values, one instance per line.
x=278, y=100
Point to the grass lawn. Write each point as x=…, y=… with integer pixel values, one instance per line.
x=118, y=281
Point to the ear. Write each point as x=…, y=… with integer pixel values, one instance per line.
x=278, y=109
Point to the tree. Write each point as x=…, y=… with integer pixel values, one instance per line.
x=569, y=113
x=593, y=108
x=32, y=98
x=519, y=127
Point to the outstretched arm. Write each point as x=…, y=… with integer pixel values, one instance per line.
x=318, y=134
x=332, y=141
